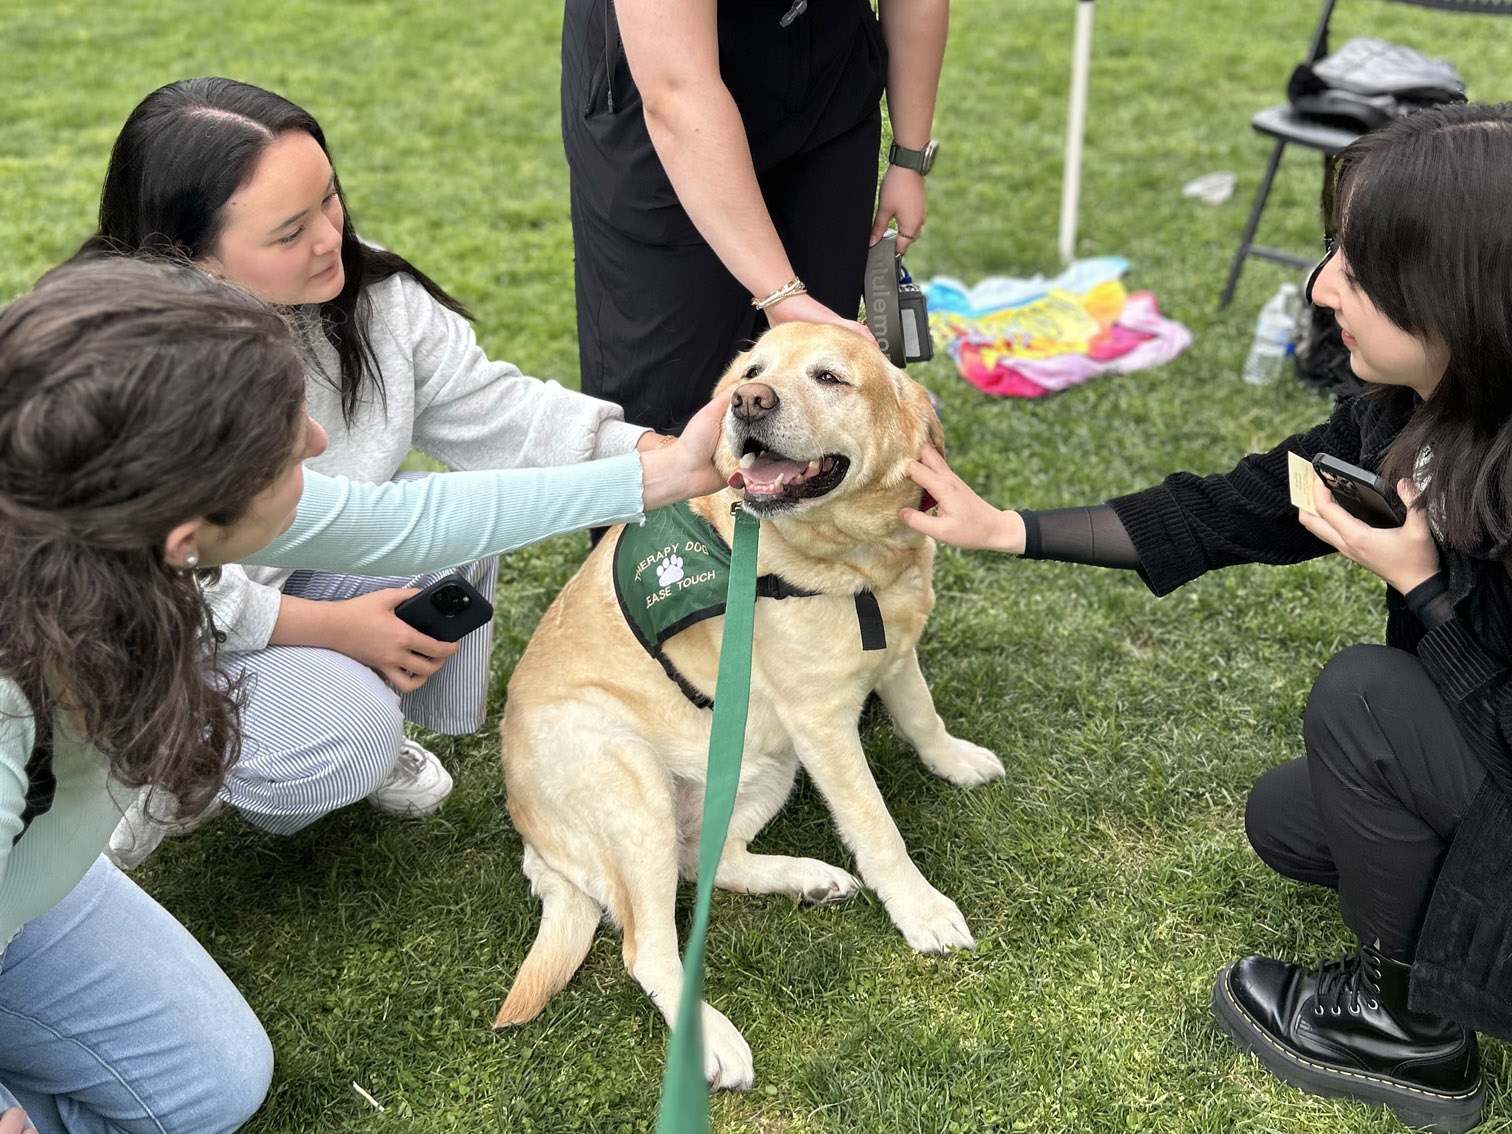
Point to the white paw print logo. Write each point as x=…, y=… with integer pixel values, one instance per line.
x=669, y=570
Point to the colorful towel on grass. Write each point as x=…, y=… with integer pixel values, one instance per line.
x=1025, y=338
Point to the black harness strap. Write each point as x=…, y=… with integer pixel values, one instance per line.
x=869, y=618
x=688, y=689
x=775, y=586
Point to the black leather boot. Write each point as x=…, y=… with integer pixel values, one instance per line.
x=1343, y=1030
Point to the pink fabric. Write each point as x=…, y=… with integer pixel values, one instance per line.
x=1137, y=338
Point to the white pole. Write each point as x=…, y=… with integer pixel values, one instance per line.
x=1081, y=60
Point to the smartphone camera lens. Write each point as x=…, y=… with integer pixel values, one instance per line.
x=1341, y=487
x=451, y=600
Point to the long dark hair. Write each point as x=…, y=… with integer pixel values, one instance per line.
x=183, y=152
x=133, y=396
x=1423, y=212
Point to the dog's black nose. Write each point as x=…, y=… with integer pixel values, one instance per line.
x=753, y=401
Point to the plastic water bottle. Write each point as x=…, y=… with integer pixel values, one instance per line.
x=1273, y=337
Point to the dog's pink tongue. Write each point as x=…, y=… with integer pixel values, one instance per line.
x=768, y=473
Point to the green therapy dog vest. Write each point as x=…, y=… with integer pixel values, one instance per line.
x=673, y=571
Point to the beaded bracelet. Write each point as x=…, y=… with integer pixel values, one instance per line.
x=793, y=287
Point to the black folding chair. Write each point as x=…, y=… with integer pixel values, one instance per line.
x=1288, y=127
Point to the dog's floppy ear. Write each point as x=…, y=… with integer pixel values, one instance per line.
x=917, y=403
x=921, y=425
x=934, y=430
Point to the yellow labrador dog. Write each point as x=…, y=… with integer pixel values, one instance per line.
x=606, y=730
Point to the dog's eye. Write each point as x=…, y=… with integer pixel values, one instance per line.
x=753, y=371
x=830, y=378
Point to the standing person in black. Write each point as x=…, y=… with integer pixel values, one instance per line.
x=724, y=167
x=1403, y=800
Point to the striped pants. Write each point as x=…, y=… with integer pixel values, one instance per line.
x=320, y=731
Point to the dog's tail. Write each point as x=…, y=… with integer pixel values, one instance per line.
x=568, y=920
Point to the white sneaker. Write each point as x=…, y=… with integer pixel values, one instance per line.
x=142, y=828
x=417, y=784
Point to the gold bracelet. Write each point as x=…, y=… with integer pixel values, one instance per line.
x=665, y=441
x=793, y=287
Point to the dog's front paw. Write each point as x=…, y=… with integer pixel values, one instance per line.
x=818, y=883
x=963, y=763
x=931, y=923
x=728, y=1065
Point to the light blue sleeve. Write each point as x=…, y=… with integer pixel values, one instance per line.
x=411, y=526
x=17, y=735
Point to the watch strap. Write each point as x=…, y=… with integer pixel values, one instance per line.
x=920, y=161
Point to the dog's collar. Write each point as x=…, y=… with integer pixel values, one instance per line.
x=672, y=571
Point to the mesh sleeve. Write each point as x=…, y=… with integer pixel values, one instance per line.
x=1430, y=601
x=1092, y=535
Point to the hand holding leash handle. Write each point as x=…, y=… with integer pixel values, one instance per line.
x=896, y=312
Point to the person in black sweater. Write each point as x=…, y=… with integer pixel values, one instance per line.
x=1403, y=801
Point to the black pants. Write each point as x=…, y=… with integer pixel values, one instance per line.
x=1371, y=809
x=659, y=317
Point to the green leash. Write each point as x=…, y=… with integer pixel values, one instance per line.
x=684, y=1105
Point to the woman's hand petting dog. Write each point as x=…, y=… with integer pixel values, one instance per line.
x=806, y=309
x=964, y=519
x=685, y=468
x=1404, y=557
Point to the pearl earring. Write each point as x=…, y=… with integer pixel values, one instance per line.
x=191, y=562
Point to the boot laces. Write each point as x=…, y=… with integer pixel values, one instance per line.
x=1347, y=982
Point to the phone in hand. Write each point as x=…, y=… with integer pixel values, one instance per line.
x=447, y=610
x=1361, y=493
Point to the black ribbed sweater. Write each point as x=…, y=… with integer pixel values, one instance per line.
x=1189, y=525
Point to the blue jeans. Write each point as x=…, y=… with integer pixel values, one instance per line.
x=113, y=1020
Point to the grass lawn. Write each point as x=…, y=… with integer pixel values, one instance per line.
x=1107, y=878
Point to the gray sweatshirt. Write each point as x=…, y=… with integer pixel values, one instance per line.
x=443, y=396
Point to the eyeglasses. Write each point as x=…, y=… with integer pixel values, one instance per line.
x=1330, y=246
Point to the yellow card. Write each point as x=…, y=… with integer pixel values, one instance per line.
x=1302, y=477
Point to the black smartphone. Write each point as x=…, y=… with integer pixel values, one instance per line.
x=1361, y=493
x=447, y=610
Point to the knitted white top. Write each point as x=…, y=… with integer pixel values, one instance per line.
x=441, y=395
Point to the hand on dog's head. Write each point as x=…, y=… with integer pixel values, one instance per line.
x=807, y=397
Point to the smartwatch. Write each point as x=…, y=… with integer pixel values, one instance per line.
x=920, y=161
